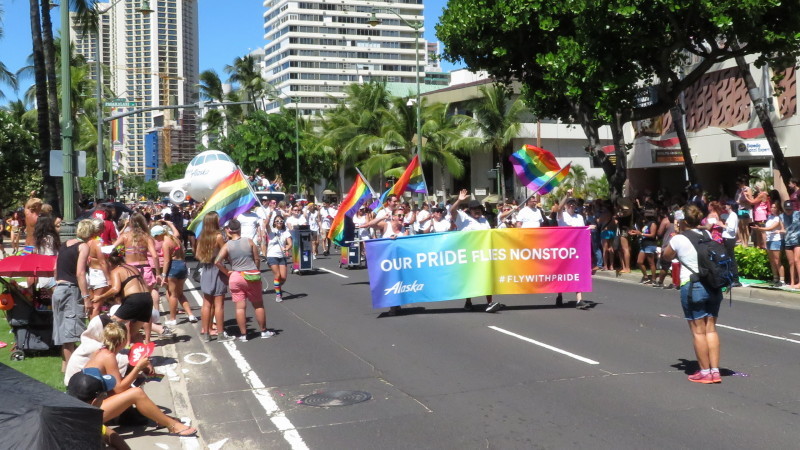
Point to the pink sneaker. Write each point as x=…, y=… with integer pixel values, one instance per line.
x=699, y=377
x=715, y=377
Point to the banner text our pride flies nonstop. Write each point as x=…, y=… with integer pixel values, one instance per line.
x=456, y=265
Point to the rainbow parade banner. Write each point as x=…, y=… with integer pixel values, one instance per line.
x=457, y=265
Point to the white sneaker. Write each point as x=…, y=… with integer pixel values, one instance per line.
x=266, y=334
x=193, y=319
x=170, y=323
x=242, y=338
x=314, y=256
x=278, y=298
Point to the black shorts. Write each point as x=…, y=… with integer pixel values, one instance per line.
x=136, y=307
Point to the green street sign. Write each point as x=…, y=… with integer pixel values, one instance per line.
x=119, y=104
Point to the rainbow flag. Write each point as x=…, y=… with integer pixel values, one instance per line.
x=359, y=193
x=555, y=180
x=535, y=167
x=412, y=180
x=232, y=197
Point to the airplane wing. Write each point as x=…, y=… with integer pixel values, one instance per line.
x=168, y=186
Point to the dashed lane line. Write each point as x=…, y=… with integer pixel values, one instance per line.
x=543, y=345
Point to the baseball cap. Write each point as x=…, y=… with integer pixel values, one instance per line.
x=88, y=384
x=157, y=230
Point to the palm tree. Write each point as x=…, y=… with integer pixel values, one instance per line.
x=5, y=75
x=210, y=88
x=50, y=191
x=448, y=137
x=499, y=121
x=245, y=72
x=353, y=129
x=578, y=178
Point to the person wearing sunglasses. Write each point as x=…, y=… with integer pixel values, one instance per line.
x=279, y=246
x=392, y=229
x=473, y=219
x=296, y=218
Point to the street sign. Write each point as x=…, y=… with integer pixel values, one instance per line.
x=57, y=163
x=122, y=104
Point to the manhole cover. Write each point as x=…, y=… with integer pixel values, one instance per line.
x=336, y=398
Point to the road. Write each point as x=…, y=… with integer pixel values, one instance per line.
x=529, y=376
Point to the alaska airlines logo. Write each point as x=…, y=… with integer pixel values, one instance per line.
x=399, y=288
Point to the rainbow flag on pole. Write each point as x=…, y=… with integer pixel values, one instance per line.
x=412, y=180
x=232, y=197
x=538, y=169
x=359, y=193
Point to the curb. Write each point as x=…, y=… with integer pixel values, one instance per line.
x=772, y=296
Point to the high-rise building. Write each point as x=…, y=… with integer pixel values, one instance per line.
x=316, y=48
x=154, y=61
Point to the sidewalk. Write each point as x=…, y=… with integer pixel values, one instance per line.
x=757, y=294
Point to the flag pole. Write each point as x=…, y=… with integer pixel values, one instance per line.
x=369, y=186
x=569, y=164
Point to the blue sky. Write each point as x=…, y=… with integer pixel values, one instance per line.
x=228, y=28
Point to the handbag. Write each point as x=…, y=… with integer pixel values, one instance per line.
x=251, y=275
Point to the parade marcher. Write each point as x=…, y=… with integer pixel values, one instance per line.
x=530, y=216
x=279, y=246
x=314, y=226
x=71, y=290
x=700, y=303
x=213, y=284
x=297, y=218
x=567, y=217
x=244, y=278
x=439, y=223
x=327, y=213
x=474, y=220
x=422, y=218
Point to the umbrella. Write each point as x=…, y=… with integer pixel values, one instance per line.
x=33, y=265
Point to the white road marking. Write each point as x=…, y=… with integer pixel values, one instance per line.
x=330, y=271
x=276, y=416
x=780, y=338
x=197, y=358
x=795, y=334
x=542, y=344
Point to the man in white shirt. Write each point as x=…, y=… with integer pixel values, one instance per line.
x=251, y=224
x=423, y=216
x=296, y=219
x=473, y=220
x=313, y=225
x=530, y=216
x=729, y=236
x=567, y=217
x=326, y=213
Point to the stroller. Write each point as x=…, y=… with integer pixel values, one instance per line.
x=30, y=321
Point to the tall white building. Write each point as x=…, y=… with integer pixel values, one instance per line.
x=154, y=61
x=316, y=48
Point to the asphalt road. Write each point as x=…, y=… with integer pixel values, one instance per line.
x=530, y=376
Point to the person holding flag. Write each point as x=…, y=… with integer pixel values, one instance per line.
x=468, y=222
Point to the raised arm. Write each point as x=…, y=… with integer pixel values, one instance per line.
x=461, y=197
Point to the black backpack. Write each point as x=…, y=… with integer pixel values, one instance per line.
x=713, y=260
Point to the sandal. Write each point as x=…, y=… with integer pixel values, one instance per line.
x=186, y=432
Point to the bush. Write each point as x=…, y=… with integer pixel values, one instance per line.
x=753, y=263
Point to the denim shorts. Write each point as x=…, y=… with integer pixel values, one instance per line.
x=649, y=249
x=774, y=245
x=272, y=261
x=177, y=269
x=701, y=302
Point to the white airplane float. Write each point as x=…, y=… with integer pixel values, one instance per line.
x=203, y=174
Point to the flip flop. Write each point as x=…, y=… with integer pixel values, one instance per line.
x=185, y=432
x=3, y=344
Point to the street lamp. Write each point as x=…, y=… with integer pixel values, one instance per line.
x=144, y=9
x=375, y=21
x=276, y=96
